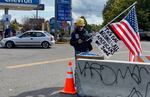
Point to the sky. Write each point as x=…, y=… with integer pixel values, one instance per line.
x=91, y=9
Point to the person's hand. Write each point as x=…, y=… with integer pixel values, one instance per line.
x=80, y=41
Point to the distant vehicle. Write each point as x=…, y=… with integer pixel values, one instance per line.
x=144, y=35
x=29, y=38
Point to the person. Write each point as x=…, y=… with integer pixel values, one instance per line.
x=7, y=32
x=80, y=38
x=13, y=32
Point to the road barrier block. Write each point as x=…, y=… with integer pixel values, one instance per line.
x=103, y=78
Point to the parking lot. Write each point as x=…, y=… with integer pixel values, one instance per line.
x=38, y=72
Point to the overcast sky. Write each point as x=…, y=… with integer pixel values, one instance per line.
x=91, y=9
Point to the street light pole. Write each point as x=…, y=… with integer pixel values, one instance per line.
x=37, y=14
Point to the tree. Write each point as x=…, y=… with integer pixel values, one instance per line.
x=115, y=7
x=26, y=24
x=15, y=25
x=91, y=27
x=95, y=27
x=32, y=23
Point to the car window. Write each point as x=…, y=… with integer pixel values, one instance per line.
x=20, y=34
x=28, y=34
x=39, y=34
x=34, y=34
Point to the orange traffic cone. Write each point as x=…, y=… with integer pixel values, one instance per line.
x=69, y=87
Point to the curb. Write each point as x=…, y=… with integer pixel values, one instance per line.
x=62, y=42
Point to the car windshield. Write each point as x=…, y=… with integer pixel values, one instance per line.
x=47, y=33
x=18, y=35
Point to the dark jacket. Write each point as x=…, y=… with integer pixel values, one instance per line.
x=7, y=33
x=84, y=36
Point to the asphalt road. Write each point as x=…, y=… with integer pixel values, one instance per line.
x=37, y=72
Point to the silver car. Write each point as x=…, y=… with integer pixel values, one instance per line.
x=29, y=38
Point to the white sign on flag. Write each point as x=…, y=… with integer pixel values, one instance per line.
x=107, y=42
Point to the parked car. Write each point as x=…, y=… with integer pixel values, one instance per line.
x=29, y=38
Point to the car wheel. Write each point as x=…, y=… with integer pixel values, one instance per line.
x=9, y=44
x=45, y=44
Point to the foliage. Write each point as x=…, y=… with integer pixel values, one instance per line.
x=92, y=27
x=33, y=23
x=26, y=24
x=15, y=25
x=95, y=27
x=115, y=7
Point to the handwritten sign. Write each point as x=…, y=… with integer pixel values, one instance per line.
x=107, y=42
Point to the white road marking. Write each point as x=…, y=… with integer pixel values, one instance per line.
x=52, y=61
x=55, y=92
x=37, y=63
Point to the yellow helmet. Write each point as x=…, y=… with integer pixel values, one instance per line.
x=80, y=22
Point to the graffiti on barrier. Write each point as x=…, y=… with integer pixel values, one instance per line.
x=111, y=76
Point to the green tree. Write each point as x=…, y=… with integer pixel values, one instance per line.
x=15, y=25
x=115, y=7
x=95, y=27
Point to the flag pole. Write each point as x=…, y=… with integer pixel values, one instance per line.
x=121, y=13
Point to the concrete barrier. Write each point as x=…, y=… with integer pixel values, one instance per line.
x=102, y=78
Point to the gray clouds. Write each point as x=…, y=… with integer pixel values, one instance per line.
x=89, y=8
x=48, y=2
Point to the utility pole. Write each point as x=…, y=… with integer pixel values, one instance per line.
x=37, y=14
x=55, y=33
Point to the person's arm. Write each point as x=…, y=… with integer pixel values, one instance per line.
x=88, y=37
x=73, y=40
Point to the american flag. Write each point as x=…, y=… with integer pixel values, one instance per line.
x=127, y=30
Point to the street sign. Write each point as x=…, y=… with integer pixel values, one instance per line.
x=21, y=5
x=63, y=12
x=40, y=7
x=6, y=19
x=52, y=21
x=36, y=2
